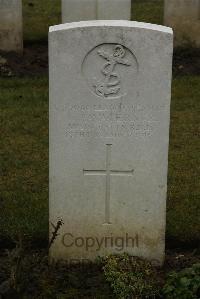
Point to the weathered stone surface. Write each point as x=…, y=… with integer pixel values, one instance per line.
x=184, y=17
x=82, y=10
x=110, y=87
x=11, y=25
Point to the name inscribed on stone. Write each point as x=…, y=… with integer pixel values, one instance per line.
x=110, y=121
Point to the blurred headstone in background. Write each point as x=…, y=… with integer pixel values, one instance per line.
x=11, y=35
x=184, y=18
x=82, y=10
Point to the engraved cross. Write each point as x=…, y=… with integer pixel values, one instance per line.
x=108, y=172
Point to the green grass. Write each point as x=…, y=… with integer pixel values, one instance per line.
x=24, y=159
x=38, y=15
x=184, y=161
x=149, y=11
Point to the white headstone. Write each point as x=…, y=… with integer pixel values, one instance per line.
x=110, y=88
x=184, y=17
x=11, y=25
x=82, y=10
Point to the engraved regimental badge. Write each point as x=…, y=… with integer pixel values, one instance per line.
x=108, y=69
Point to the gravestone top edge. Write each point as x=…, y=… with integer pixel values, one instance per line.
x=112, y=23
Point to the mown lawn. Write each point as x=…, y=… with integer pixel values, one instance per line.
x=38, y=15
x=24, y=159
x=150, y=11
x=183, y=203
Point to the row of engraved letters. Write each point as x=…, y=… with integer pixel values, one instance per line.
x=137, y=107
x=108, y=130
x=109, y=116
